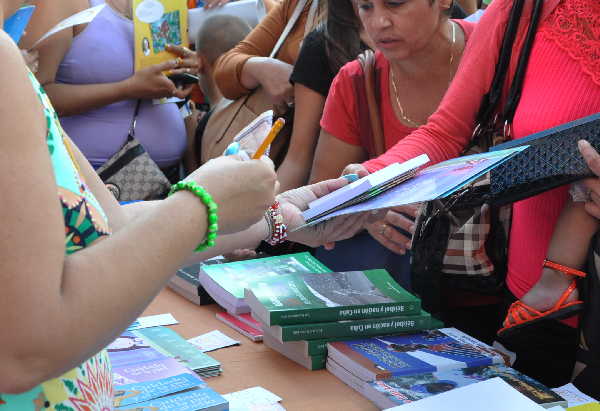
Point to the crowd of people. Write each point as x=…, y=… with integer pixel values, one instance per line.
x=68, y=107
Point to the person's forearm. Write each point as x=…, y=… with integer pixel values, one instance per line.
x=105, y=287
x=71, y=99
x=250, y=75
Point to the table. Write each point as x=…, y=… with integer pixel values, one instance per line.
x=254, y=364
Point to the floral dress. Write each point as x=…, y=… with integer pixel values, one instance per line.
x=89, y=386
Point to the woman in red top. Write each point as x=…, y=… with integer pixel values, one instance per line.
x=562, y=84
x=419, y=49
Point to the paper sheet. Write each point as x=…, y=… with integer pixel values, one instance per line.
x=213, y=341
x=253, y=399
x=153, y=321
x=573, y=396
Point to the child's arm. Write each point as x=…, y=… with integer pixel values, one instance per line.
x=572, y=235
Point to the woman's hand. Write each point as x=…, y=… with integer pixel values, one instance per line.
x=357, y=169
x=592, y=158
x=386, y=233
x=187, y=56
x=243, y=190
x=295, y=201
x=151, y=82
x=274, y=76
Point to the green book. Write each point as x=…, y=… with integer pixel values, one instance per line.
x=170, y=343
x=337, y=296
x=351, y=328
x=226, y=282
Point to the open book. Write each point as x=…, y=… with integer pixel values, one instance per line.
x=402, y=184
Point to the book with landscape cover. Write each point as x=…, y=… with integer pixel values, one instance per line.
x=170, y=343
x=350, y=328
x=226, y=282
x=242, y=325
x=398, y=390
x=129, y=394
x=429, y=351
x=336, y=296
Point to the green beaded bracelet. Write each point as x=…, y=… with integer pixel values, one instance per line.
x=211, y=209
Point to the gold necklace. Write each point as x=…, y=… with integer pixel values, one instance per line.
x=402, y=113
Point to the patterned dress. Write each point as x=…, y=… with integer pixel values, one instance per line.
x=89, y=386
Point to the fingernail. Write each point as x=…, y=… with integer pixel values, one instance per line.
x=233, y=148
x=351, y=177
x=583, y=143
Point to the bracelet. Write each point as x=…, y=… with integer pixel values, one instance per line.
x=211, y=209
x=277, y=229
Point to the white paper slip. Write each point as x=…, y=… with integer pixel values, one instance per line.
x=490, y=395
x=153, y=321
x=213, y=341
x=573, y=396
x=83, y=17
x=253, y=399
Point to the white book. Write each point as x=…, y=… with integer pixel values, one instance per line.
x=490, y=395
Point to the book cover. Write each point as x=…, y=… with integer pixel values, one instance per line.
x=148, y=371
x=253, y=333
x=350, y=328
x=129, y=394
x=157, y=23
x=364, y=188
x=130, y=348
x=200, y=399
x=336, y=296
x=226, y=282
x=400, y=390
x=15, y=25
x=428, y=351
x=437, y=181
x=170, y=343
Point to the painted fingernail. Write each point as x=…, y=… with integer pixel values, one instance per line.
x=351, y=177
x=233, y=148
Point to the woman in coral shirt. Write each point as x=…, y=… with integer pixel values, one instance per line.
x=562, y=84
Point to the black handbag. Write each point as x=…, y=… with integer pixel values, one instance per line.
x=552, y=160
x=461, y=242
x=130, y=174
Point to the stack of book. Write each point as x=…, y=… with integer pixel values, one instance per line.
x=147, y=378
x=225, y=283
x=171, y=344
x=185, y=282
x=300, y=313
x=396, y=370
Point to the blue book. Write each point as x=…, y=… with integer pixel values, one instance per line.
x=204, y=399
x=15, y=25
x=129, y=394
x=129, y=349
x=382, y=357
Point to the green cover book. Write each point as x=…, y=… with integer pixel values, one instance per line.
x=304, y=298
x=170, y=343
x=351, y=328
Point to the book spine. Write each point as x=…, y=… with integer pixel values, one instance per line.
x=363, y=312
x=354, y=328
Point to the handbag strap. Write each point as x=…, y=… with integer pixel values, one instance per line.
x=374, y=141
x=487, y=115
x=289, y=26
x=136, y=111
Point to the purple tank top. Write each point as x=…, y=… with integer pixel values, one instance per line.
x=103, y=53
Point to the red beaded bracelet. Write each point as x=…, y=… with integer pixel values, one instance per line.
x=278, y=230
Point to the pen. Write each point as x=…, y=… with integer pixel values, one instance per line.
x=269, y=139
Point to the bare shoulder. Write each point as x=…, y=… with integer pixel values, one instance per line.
x=47, y=14
x=19, y=104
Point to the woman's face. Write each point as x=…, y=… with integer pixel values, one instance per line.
x=399, y=28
